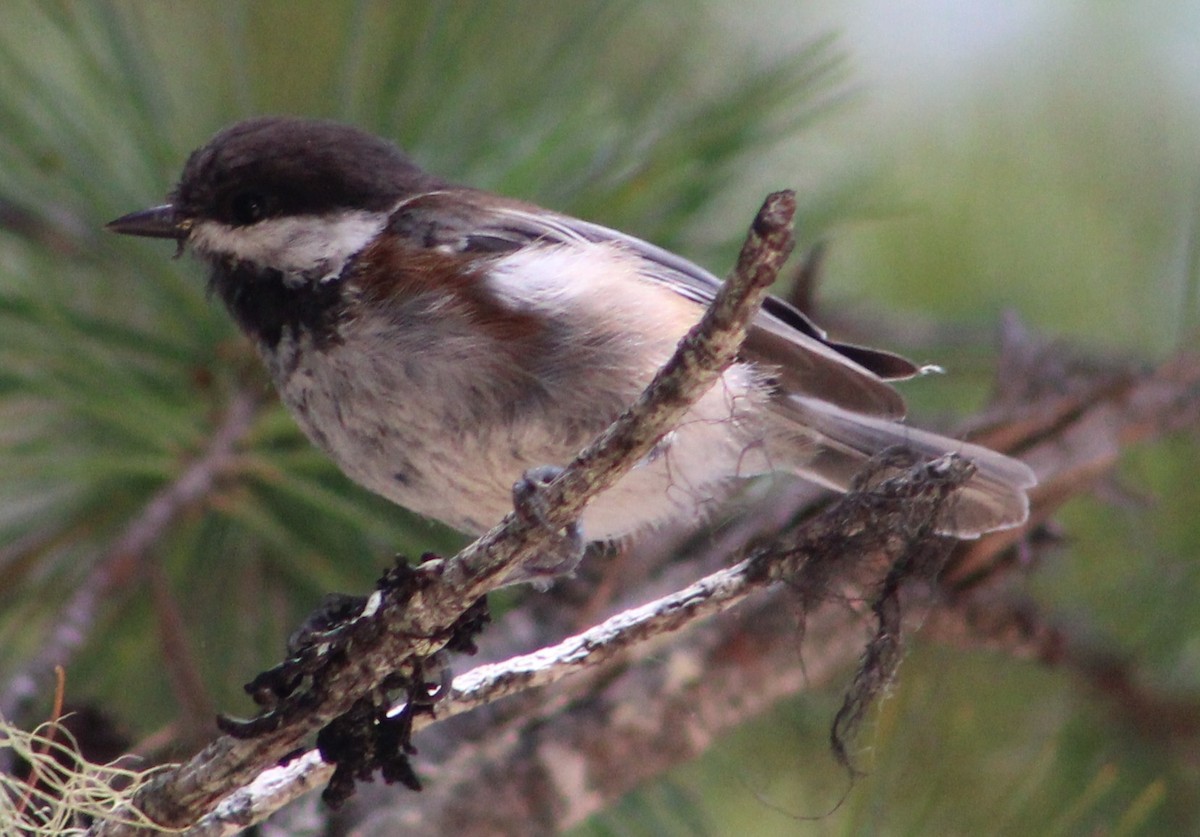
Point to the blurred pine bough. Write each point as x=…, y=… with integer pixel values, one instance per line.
x=116, y=372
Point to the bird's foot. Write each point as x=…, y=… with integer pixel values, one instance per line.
x=566, y=548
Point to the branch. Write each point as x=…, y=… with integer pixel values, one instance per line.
x=879, y=526
x=395, y=633
x=1071, y=419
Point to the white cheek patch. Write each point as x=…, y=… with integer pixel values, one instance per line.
x=303, y=244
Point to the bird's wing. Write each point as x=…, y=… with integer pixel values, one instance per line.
x=799, y=357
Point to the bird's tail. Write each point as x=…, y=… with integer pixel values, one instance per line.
x=838, y=443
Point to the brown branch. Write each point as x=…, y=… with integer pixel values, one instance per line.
x=196, y=706
x=878, y=526
x=557, y=767
x=408, y=630
x=1072, y=440
x=563, y=760
x=514, y=781
x=42, y=749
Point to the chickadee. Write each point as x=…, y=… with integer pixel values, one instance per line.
x=438, y=341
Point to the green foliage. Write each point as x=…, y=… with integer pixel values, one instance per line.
x=115, y=370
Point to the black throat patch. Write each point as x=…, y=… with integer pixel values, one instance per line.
x=264, y=304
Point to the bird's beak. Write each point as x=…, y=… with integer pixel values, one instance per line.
x=157, y=222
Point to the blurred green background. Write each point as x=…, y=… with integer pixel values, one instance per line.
x=959, y=159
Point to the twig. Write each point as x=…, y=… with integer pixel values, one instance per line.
x=278, y=786
x=44, y=747
x=1071, y=448
x=192, y=697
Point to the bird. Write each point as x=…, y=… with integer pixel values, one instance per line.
x=439, y=341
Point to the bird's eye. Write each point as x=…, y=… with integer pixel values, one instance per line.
x=248, y=208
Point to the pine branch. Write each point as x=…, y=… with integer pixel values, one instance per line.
x=76, y=619
x=877, y=526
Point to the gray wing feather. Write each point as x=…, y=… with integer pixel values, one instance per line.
x=835, y=445
x=794, y=352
